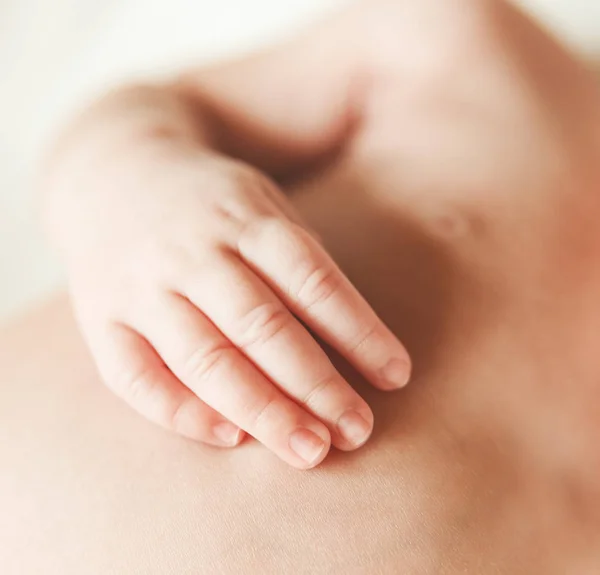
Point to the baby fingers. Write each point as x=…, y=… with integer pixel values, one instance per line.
x=135, y=372
x=306, y=278
x=263, y=329
x=216, y=371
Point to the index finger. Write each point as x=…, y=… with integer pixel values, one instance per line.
x=311, y=284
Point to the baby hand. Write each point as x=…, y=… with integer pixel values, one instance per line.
x=190, y=277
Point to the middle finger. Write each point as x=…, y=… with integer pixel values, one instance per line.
x=247, y=311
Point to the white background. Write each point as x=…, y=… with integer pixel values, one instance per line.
x=55, y=54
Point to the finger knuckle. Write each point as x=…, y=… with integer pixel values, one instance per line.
x=205, y=363
x=262, y=324
x=362, y=338
x=263, y=232
x=241, y=201
x=264, y=416
x=133, y=385
x=142, y=389
x=178, y=417
x=314, y=397
x=173, y=261
x=234, y=212
x=315, y=284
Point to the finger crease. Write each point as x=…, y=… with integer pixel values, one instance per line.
x=319, y=389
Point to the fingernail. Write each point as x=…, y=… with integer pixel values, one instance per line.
x=396, y=373
x=307, y=445
x=354, y=428
x=227, y=433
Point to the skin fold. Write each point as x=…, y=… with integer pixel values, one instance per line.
x=465, y=212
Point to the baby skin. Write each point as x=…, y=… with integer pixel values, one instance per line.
x=198, y=288
x=193, y=279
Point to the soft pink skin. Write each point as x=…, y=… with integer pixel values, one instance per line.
x=190, y=272
x=187, y=264
x=467, y=212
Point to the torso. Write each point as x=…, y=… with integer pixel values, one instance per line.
x=486, y=463
x=477, y=463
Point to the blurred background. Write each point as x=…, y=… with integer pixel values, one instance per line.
x=55, y=55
